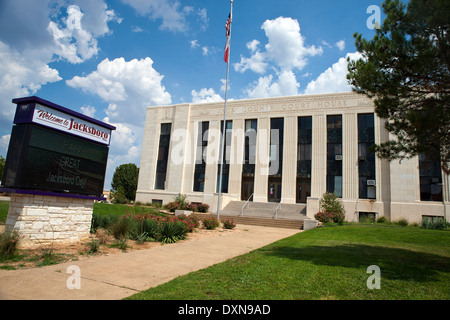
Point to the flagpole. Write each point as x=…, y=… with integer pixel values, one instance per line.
x=222, y=140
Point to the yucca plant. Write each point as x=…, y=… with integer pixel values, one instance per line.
x=172, y=231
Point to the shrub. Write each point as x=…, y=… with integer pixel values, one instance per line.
x=435, y=224
x=325, y=217
x=102, y=221
x=202, y=207
x=229, y=224
x=102, y=236
x=402, y=222
x=151, y=228
x=191, y=221
x=190, y=206
x=210, y=223
x=331, y=209
x=330, y=203
x=93, y=246
x=8, y=244
x=181, y=200
x=172, y=206
x=172, y=231
x=382, y=219
x=121, y=228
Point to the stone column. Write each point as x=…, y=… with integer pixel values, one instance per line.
x=262, y=160
x=289, y=175
x=318, y=164
x=350, y=175
x=236, y=157
x=177, y=155
x=212, y=157
x=149, y=154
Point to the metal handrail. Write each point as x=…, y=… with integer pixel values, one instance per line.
x=245, y=204
x=276, y=211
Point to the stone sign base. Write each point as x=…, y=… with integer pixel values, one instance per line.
x=44, y=220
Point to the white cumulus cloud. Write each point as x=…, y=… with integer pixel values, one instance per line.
x=285, y=48
x=128, y=86
x=334, y=79
x=205, y=95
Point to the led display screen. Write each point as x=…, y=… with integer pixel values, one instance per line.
x=44, y=159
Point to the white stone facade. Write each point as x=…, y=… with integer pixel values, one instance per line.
x=397, y=185
x=42, y=220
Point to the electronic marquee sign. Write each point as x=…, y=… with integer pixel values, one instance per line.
x=56, y=149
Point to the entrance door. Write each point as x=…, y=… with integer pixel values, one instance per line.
x=274, y=192
x=247, y=188
x=303, y=189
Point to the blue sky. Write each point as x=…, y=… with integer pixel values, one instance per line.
x=112, y=59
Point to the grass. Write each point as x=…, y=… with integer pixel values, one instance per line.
x=4, y=206
x=326, y=263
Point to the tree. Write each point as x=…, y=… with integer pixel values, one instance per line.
x=2, y=166
x=124, y=182
x=406, y=70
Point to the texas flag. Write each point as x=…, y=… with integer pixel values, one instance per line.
x=227, y=46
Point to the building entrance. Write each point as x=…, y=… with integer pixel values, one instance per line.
x=303, y=189
x=274, y=192
x=247, y=188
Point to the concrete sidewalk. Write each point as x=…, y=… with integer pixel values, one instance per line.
x=120, y=275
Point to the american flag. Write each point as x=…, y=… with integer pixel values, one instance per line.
x=228, y=34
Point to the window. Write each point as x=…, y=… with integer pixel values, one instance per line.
x=163, y=156
x=276, y=146
x=366, y=158
x=251, y=127
x=225, y=157
x=200, y=163
x=430, y=178
x=334, y=154
x=304, y=147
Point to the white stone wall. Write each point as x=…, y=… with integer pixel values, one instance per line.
x=42, y=220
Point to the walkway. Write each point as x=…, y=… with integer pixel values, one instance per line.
x=120, y=275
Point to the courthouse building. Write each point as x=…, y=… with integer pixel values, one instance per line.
x=288, y=150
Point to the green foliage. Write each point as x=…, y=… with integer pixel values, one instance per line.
x=435, y=224
x=210, y=223
x=121, y=228
x=172, y=231
x=118, y=196
x=331, y=209
x=406, y=69
x=229, y=224
x=93, y=246
x=180, y=202
x=2, y=166
x=382, y=220
x=8, y=244
x=402, y=222
x=124, y=181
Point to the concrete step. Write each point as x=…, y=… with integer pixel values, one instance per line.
x=259, y=221
x=266, y=210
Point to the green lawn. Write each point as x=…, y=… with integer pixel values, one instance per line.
x=120, y=209
x=326, y=263
x=4, y=206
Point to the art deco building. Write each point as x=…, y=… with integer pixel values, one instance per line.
x=290, y=150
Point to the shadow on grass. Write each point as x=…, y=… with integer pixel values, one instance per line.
x=395, y=263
